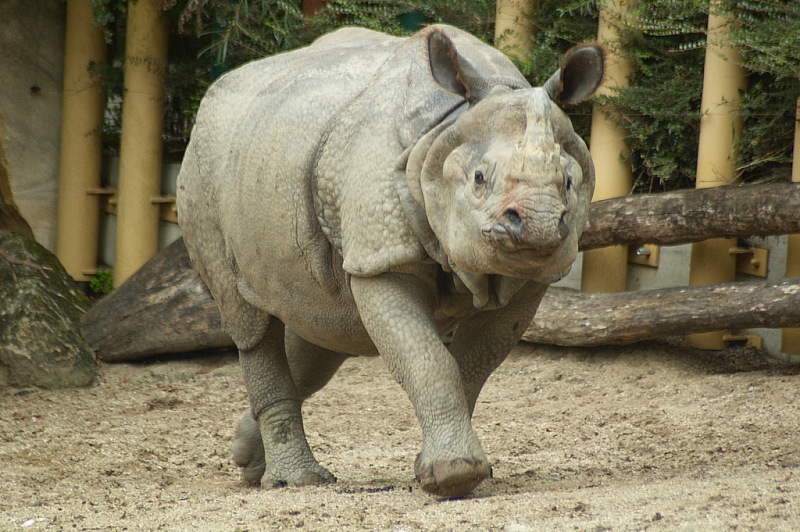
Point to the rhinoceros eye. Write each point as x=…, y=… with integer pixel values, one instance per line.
x=569, y=183
x=479, y=179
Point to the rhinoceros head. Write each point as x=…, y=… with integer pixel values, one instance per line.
x=507, y=185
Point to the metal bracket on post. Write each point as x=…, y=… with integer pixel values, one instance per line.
x=749, y=340
x=644, y=254
x=751, y=261
x=109, y=198
x=169, y=210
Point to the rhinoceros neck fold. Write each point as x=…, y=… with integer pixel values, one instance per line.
x=409, y=190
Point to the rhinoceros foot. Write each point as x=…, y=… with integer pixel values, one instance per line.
x=248, y=453
x=248, y=449
x=452, y=478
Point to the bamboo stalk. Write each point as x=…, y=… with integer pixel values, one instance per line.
x=606, y=270
x=80, y=165
x=141, y=145
x=790, y=339
x=720, y=125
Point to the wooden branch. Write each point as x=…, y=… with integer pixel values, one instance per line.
x=571, y=318
x=693, y=215
x=165, y=307
x=26, y=263
x=162, y=308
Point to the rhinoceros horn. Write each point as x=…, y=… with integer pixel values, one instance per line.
x=540, y=151
x=533, y=215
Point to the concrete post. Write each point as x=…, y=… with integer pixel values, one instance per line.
x=513, y=28
x=141, y=143
x=78, y=216
x=791, y=337
x=720, y=125
x=606, y=269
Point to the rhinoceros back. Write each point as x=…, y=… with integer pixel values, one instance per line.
x=269, y=116
x=244, y=192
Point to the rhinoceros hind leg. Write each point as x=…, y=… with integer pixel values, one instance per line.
x=275, y=404
x=248, y=453
x=311, y=366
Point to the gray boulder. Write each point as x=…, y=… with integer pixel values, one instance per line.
x=40, y=308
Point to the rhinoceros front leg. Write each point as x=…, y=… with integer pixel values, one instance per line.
x=275, y=404
x=483, y=341
x=397, y=311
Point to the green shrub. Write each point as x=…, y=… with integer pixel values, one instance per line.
x=101, y=282
x=768, y=36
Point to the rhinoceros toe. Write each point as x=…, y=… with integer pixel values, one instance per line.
x=453, y=478
x=314, y=475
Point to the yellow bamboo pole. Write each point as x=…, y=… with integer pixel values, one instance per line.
x=606, y=269
x=141, y=144
x=720, y=125
x=790, y=340
x=83, y=99
x=513, y=27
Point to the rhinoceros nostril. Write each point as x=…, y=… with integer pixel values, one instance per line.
x=512, y=222
x=512, y=217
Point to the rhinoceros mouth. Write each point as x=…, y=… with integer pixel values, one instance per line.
x=528, y=264
x=508, y=245
x=509, y=237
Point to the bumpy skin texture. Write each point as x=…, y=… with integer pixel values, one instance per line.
x=369, y=195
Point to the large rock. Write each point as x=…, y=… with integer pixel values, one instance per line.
x=40, y=308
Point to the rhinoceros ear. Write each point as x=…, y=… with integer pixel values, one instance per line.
x=580, y=74
x=452, y=71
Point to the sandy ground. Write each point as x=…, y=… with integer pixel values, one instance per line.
x=652, y=436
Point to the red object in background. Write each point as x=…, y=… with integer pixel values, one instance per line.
x=312, y=6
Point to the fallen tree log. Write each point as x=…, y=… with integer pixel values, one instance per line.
x=163, y=308
x=572, y=318
x=166, y=308
x=692, y=215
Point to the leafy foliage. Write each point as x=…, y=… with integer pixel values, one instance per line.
x=101, y=282
x=106, y=15
x=233, y=32
x=556, y=28
x=242, y=30
x=767, y=34
x=665, y=42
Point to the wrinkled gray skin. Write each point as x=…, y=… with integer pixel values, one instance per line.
x=370, y=195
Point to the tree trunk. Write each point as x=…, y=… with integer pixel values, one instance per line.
x=163, y=308
x=571, y=318
x=10, y=218
x=692, y=215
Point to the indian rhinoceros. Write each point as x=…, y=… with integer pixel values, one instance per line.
x=373, y=195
